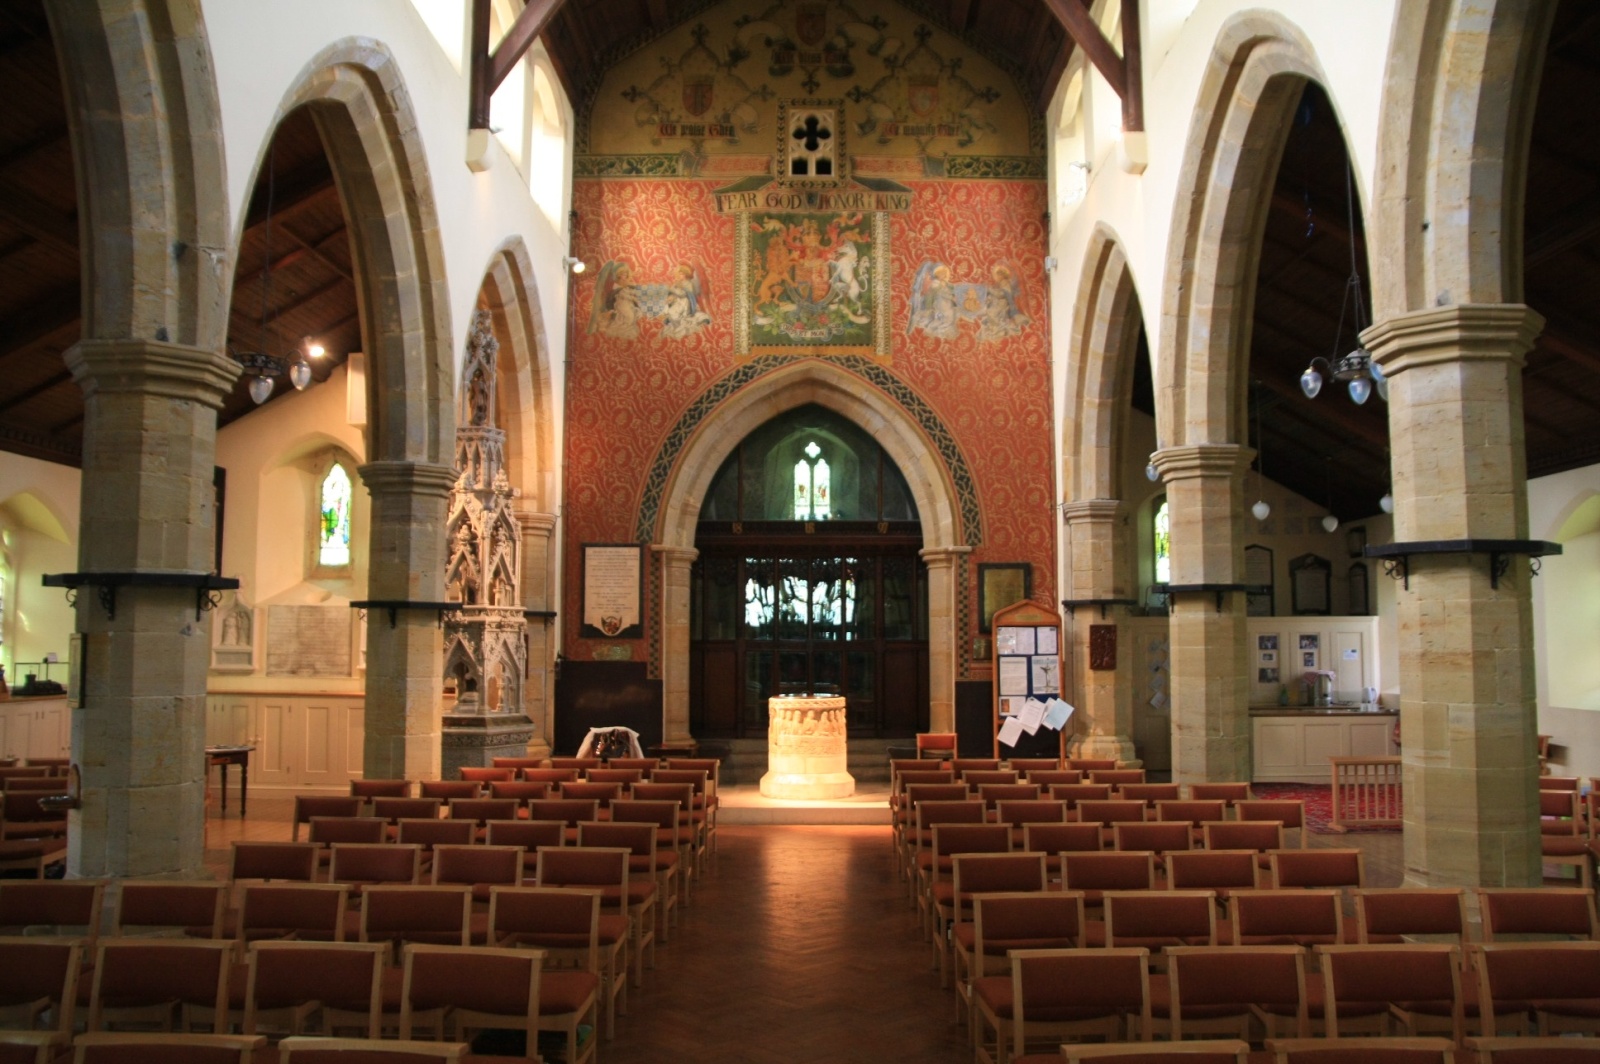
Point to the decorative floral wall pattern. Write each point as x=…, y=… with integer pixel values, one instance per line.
x=953, y=308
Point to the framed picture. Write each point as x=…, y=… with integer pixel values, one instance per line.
x=1356, y=578
x=1000, y=585
x=77, y=663
x=1355, y=540
x=613, y=588
x=1309, y=578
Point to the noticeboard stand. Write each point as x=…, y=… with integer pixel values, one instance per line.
x=1027, y=664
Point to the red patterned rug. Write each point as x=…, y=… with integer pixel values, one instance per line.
x=1319, y=804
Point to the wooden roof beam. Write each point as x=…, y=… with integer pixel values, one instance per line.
x=44, y=318
x=1573, y=226
x=488, y=69
x=37, y=218
x=1125, y=72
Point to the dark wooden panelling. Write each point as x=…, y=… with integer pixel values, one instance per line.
x=605, y=694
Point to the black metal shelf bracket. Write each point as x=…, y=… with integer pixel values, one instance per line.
x=394, y=606
x=1071, y=605
x=207, y=586
x=1217, y=589
x=547, y=616
x=1396, y=557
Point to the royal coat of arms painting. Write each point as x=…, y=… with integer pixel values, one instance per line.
x=813, y=283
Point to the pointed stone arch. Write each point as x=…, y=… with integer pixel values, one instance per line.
x=510, y=292
x=910, y=434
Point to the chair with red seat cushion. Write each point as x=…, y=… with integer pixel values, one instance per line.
x=1219, y=871
x=624, y=776
x=396, y=809
x=569, y=926
x=288, y=981
x=937, y=863
x=1290, y=812
x=570, y=811
x=519, y=763
x=936, y=744
x=1191, y=812
x=1260, y=836
x=495, y=774
x=1117, y=777
x=393, y=913
x=1092, y=764
x=431, y=834
x=1159, y=837
x=603, y=794
x=670, y=835
x=310, y=1050
x=1148, y=793
x=1158, y=920
x=546, y=774
x=1018, y=814
x=600, y=868
x=1051, y=777
x=703, y=806
x=148, y=904
x=31, y=1047
x=1199, y=1051
x=529, y=835
x=291, y=862
x=1560, y=981
x=474, y=989
x=1287, y=918
x=652, y=876
x=978, y=778
x=1025, y=765
x=521, y=791
x=313, y=911
x=1523, y=1050
x=1413, y=982
x=1053, y=840
x=972, y=874
x=370, y=789
x=39, y=974
x=125, y=1047
x=647, y=765
x=480, y=811
x=1389, y=914
x=53, y=903
x=447, y=789
x=1344, y=869
x=1006, y=920
x=1228, y=793
x=327, y=830
x=1053, y=994
x=691, y=840
x=478, y=868
x=1219, y=990
x=1361, y=1050
x=1566, y=912
x=362, y=866
x=1562, y=839
x=145, y=979
x=307, y=806
x=1096, y=873
x=1076, y=793
x=23, y=819
x=926, y=819
x=1111, y=811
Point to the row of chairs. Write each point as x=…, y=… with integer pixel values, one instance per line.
x=29, y=1047
x=1333, y=1051
x=1253, y=992
x=448, y=990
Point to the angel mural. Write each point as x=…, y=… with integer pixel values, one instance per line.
x=940, y=306
x=679, y=303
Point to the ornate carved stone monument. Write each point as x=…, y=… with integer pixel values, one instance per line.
x=485, y=646
x=806, y=756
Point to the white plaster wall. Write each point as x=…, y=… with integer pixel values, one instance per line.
x=1566, y=618
x=261, y=51
x=39, y=524
x=1349, y=40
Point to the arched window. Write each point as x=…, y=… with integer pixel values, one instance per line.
x=333, y=525
x=811, y=487
x=1161, y=541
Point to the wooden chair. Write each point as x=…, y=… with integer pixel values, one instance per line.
x=1148, y=793
x=1228, y=793
x=520, y=791
x=646, y=765
x=623, y=776
x=1221, y=871
x=1298, y=917
x=307, y=806
x=1048, y=778
x=370, y=789
x=1361, y=1050
x=1533, y=1050
x=1157, y=920
x=1393, y=914
x=670, y=837
x=1024, y=765
x=1092, y=764
x=1160, y=838
x=1059, y=993
x=936, y=744
x=266, y=862
x=1223, y=989
x=528, y=835
x=1117, y=777
x=309, y=911
x=1191, y=811
x=1053, y=840
x=981, y=873
x=307, y=1050
x=1290, y=812
x=1110, y=811
x=702, y=807
x=963, y=765
x=582, y=764
x=495, y=774
x=447, y=789
x=1561, y=912
x=1415, y=983
x=570, y=811
x=150, y=904
x=1560, y=982
x=977, y=778
x=690, y=841
x=1259, y=836
x=288, y=981
x=476, y=988
x=936, y=874
x=1198, y=1051
x=1016, y=815
x=39, y=975
x=599, y=868
x=126, y=1047
x=393, y=914
x=1343, y=869
x=1563, y=842
x=925, y=815
x=1004, y=921
x=395, y=808
x=326, y=831
x=652, y=878
x=152, y=979
x=1076, y=793
x=551, y=776
x=63, y=906
x=1096, y=873
x=431, y=834
x=518, y=763
x=360, y=866
x=567, y=924
x=481, y=810
x=478, y=868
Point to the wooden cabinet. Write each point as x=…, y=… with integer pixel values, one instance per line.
x=35, y=727
x=302, y=741
x=1294, y=747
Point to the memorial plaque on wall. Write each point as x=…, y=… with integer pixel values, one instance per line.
x=612, y=589
x=1102, y=647
x=308, y=640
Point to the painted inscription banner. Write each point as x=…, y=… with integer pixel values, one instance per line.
x=611, y=591
x=308, y=641
x=812, y=283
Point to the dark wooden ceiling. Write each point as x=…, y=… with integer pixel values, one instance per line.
x=1305, y=260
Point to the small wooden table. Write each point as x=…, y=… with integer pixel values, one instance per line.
x=224, y=756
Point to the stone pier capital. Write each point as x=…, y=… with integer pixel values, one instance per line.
x=1464, y=332
x=150, y=367
x=1091, y=511
x=1202, y=460
x=535, y=522
x=675, y=557
x=942, y=557
x=408, y=478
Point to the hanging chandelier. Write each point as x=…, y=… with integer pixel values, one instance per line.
x=1359, y=373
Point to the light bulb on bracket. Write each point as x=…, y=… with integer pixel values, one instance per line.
x=260, y=389
x=1262, y=509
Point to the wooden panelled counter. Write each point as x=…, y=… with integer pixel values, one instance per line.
x=1293, y=744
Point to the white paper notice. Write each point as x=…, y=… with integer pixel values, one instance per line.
x=1158, y=700
x=1005, y=641
x=1056, y=714
x=1011, y=731
x=1032, y=716
x=1013, y=676
x=1045, y=641
x=1046, y=674
x=1025, y=641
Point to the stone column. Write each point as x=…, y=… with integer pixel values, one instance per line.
x=1095, y=570
x=405, y=662
x=149, y=446
x=676, y=562
x=1467, y=709
x=1210, y=684
x=538, y=695
x=943, y=631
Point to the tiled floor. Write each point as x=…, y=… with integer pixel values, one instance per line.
x=799, y=947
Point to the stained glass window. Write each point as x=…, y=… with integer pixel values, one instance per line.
x=812, y=485
x=1162, y=527
x=333, y=533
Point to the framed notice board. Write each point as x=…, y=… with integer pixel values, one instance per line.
x=1027, y=673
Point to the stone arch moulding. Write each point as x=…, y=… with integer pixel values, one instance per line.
x=1250, y=88
x=725, y=413
x=510, y=292
x=363, y=112
x=1099, y=386
x=150, y=165
x=1460, y=86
